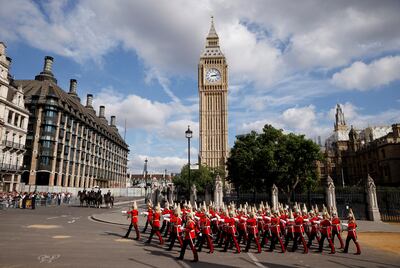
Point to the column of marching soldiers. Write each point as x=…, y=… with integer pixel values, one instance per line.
x=229, y=226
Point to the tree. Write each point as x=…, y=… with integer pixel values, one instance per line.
x=202, y=178
x=259, y=160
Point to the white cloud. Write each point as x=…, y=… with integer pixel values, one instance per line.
x=299, y=118
x=176, y=129
x=263, y=41
x=363, y=76
x=156, y=164
x=139, y=113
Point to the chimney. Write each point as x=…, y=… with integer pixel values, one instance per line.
x=47, y=73
x=72, y=86
x=48, y=65
x=102, y=111
x=89, y=101
x=112, y=121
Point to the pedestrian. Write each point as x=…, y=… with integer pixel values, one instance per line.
x=33, y=197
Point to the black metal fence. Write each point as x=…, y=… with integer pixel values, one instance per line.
x=250, y=198
x=389, y=203
x=354, y=198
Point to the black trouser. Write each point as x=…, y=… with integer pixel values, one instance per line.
x=189, y=242
x=130, y=229
x=242, y=233
x=145, y=226
x=321, y=243
x=250, y=237
x=311, y=237
x=167, y=229
x=289, y=236
x=299, y=236
x=164, y=223
x=173, y=237
x=265, y=237
x=33, y=203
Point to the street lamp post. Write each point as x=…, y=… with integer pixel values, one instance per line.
x=145, y=178
x=188, y=134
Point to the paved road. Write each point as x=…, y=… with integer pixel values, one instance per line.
x=68, y=237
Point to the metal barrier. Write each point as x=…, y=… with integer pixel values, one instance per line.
x=40, y=202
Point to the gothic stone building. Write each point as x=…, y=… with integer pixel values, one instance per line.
x=352, y=155
x=67, y=143
x=13, y=126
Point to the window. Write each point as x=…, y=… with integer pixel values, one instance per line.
x=16, y=117
x=10, y=115
x=46, y=144
x=21, y=122
x=50, y=113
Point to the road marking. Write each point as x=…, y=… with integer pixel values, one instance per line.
x=43, y=226
x=48, y=258
x=122, y=240
x=256, y=262
x=52, y=218
x=71, y=221
x=61, y=236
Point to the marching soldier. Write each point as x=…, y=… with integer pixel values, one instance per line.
x=252, y=232
x=242, y=228
x=289, y=234
x=231, y=232
x=336, y=230
x=149, y=216
x=133, y=214
x=176, y=232
x=276, y=231
x=190, y=234
x=325, y=226
x=205, y=233
x=299, y=233
x=155, y=227
x=351, y=233
x=314, y=232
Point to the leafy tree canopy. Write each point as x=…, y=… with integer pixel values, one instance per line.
x=259, y=160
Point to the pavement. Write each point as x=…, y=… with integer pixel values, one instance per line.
x=68, y=236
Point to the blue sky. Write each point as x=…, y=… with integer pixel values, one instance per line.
x=288, y=65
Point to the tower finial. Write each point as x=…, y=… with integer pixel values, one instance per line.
x=212, y=33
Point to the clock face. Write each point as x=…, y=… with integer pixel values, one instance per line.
x=213, y=75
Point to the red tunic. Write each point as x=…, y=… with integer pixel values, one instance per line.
x=252, y=226
x=134, y=215
x=205, y=225
x=326, y=227
x=336, y=224
x=177, y=221
x=156, y=220
x=275, y=225
x=242, y=222
x=351, y=229
x=298, y=227
x=190, y=230
x=230, y=224
x=314, y=224
x=267, y=223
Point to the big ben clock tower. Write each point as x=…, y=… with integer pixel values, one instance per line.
x=213, y=93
